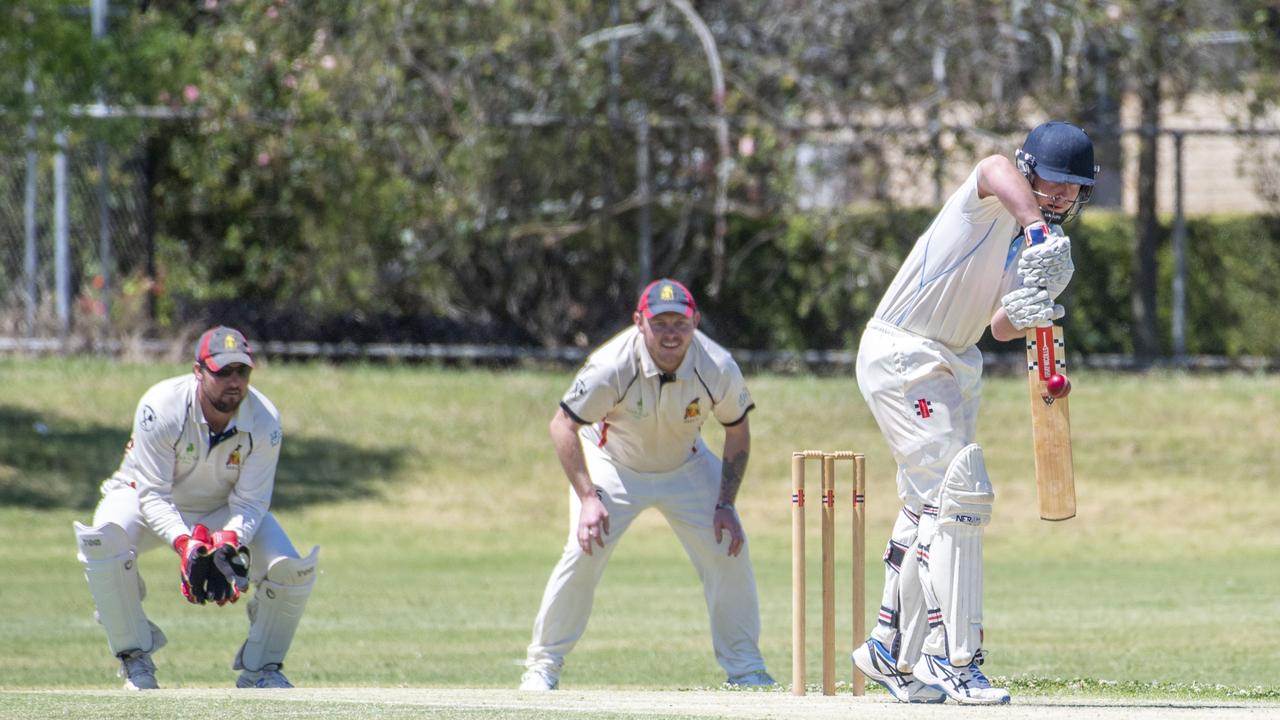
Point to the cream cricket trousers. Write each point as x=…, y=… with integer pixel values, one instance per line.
x=120, y=505
x=687, y=497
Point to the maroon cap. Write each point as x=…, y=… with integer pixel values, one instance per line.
x=221, y=346
x=664, y=296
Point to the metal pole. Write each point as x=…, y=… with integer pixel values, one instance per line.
x=30, y=258
x=1179, y=256
x=645, y=249
x=100, y=10
x=61, y=240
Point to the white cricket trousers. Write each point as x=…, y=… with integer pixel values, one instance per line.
x=924, y=396
x=687, y=497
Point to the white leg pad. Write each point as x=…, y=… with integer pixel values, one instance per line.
x=902, y=605
x=275, y=610
x=111, y=568
x=954, y=565
x=916, y=597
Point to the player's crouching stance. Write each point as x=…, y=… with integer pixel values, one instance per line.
x=197, y=478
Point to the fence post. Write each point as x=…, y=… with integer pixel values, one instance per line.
x=645, y=239
x=1179, y=256
x=30, y=256
x=61, y=238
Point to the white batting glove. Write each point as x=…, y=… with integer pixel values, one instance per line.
x=1031, y=307
x=1047, y=265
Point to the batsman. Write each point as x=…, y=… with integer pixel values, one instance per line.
x=197, y=478
x=995, y=256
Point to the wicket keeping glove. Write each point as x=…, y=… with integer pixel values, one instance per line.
x=196, y=563
x=231, y=568
x=1031, y=307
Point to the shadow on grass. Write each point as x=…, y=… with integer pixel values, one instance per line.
x=50, y=461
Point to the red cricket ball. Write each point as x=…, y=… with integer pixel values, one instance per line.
x=1057, y=385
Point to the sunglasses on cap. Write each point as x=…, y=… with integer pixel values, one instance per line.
x=229, y=370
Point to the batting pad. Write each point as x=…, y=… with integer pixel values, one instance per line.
x=111, y=568
x=902, y=605
x=955, y=553
x=275, y=611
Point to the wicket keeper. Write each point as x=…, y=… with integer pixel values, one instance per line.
x=197, y=478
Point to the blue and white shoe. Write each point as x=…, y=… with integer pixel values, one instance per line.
x=965, y=685
x=875, y=661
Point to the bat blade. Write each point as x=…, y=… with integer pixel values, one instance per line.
x=1050, y=425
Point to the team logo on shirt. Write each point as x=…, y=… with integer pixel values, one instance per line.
x=924, y=408
x=147, y=418
x=637, y=411
x=233, y=460
x=692, y=411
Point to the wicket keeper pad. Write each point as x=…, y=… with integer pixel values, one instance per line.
x=275, y=610
x=111, y=568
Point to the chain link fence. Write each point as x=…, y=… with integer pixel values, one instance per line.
x=76, y=253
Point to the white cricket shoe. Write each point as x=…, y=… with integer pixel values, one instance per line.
x=539, y=680
x=875, y=661
x=965, y=685
x=268, y=677
x=758, y=678
x=138, y=671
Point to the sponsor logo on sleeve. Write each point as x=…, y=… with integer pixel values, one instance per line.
x=579, y=389
x=744, y=398
x=147, y=418
x=276, y=437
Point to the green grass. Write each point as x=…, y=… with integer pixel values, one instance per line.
x=441, y=509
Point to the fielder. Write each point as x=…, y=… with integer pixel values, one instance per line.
x=197, y=477
x=628, y=434
x=920, y=372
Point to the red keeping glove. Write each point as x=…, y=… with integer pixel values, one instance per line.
x=196, y=563
x=231, y=566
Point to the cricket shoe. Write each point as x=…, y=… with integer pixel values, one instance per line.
x=758, y=678
x=965, y=685
x=268, y=677
x=138, y=671
x=539, y=680
x=875, y=661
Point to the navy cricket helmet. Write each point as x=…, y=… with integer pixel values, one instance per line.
x=1062, y=153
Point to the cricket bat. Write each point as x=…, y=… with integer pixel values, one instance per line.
x=1051, y=423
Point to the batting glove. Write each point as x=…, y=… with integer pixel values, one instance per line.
x=1047, y=265
x=1031, y=307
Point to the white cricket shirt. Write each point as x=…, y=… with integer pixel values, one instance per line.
x=169, y=462
x=951, y=283
x=644, y=419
